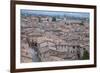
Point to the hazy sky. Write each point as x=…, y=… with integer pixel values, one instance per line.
x=55, y=13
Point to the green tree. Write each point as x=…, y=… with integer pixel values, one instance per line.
x=53, y=18
x=82, y=23
x=85, y=55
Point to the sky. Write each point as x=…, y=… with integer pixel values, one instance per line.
x=55, y=13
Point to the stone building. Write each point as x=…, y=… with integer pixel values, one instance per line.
x=25, y=53
x=58, y=40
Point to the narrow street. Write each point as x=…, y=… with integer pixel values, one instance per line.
x=34, y=54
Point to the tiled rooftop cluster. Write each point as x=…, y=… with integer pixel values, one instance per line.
x=45, y=38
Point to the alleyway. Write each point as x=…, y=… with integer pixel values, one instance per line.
x=34, y=54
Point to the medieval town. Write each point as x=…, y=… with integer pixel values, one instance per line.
x=47, y=38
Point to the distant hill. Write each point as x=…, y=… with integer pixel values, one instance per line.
x=58, y=14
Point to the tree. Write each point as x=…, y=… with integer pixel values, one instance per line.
x=82, y=23
x=85, y=55
x=53, y=18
